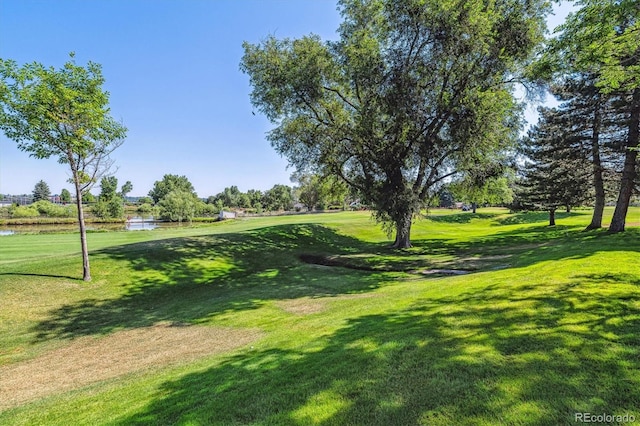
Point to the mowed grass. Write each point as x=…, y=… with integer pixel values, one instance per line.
x=224, y=324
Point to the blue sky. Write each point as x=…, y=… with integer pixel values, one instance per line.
x=171, y=67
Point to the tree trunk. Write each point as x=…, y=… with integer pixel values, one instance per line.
x=474, y=206
x=86, y=271
x=598, y=182
x=403, y=232
x=568, y=207
x=629, y=170
x=552, y=217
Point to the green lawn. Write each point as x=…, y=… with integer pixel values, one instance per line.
x=225, y=324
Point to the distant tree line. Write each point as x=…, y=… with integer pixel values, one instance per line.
x=175, y=197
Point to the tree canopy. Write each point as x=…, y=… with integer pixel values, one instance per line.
x=316, y=191
x=170, y=183
x=412, y=93
x=110, y=202
x=179, y=205
x=65, y=195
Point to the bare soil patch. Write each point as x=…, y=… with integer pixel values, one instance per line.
x=302, y=306
x=88, y=360
x=308, y=305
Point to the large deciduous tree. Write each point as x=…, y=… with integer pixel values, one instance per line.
x=179, y=205
x=411, y=93
x=316, y=191
x=278, y=198
x=168, y=184
x=62, y=113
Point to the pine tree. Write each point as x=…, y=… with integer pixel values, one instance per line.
x=591, y=120
x=41, y=191
x=557, y=173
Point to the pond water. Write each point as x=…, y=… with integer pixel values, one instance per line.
x=135, y=223
x=138, y=223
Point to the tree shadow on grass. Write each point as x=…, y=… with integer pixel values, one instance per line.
x=523, y=246
x=492, y=356
x=535, y=244
x=26, y=274
x=522, y=218
x=185, y=280
x=460, y=217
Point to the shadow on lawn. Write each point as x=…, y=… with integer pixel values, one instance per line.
x=521, y=218
x=459, y=217
x=494, y=356
x=184, y=280
x=516, y=248
x=25, y=274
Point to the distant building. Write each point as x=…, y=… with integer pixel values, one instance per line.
x=21, y=200
x=226, y=215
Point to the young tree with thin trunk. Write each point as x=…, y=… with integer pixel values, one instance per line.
x=62, y=113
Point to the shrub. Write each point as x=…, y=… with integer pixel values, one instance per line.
x=47, y=208
x=24, y=211
x=112, y=209
x=208, y=209
x=145, y=208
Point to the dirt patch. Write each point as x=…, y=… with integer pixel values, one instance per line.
x=315, y=259
x=307, y=305
x=303, y=306
x=88, y=359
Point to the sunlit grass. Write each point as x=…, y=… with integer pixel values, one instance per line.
x=545, y=324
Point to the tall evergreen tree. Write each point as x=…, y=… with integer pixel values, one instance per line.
x=41, y=191
x=556, y=174
x=601, y=39
x=591, y=122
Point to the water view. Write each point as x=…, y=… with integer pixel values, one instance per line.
x=135, y=223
